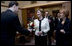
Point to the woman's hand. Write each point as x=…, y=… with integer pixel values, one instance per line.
x=40, y=32
x=63, y=22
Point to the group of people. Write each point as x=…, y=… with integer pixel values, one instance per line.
x=44, y=26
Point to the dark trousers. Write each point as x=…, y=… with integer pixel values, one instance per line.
x=41, y=40
x=7, y=42
x=60, y=39
x=63, y=39
x=50, y=34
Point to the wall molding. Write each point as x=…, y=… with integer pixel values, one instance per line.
x=7, y=6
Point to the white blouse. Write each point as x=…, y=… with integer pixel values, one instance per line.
x=44, y=26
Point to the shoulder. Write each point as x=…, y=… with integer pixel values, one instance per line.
x=11, y=14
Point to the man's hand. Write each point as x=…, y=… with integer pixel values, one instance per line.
x=63, y=22
x=30, y=30
x=62, y=30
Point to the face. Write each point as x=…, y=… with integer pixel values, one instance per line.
x=62, y=14
x=58, y=15
x=16, y=8
x=46, y=13
x=38, y=13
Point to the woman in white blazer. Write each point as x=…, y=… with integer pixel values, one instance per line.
x=41, y=26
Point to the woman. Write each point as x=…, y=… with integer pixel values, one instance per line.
x=63, y=28
x=41, y=26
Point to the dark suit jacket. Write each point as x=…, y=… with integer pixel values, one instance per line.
x=9, y=25
x=51, y=23
x=66, y=26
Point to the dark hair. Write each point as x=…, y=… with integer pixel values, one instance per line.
x=13, y=3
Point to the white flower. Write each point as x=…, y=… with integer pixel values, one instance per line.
x=31, y=23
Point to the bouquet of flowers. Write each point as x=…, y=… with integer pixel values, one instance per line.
x=31, y=25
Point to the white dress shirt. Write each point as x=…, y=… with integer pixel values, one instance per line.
x=44, y=26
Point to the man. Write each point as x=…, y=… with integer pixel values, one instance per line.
x=51, y=23
x=57, y=19
x=10, y=24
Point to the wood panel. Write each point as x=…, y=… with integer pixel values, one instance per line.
x=24, y=17
x=36, y=12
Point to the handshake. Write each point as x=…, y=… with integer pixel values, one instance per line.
x=31, y=30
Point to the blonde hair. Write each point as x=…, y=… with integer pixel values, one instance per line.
x=65, y=11
x=42, y=12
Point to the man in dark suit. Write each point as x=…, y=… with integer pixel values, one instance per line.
x=51, y=23
x=10, y=24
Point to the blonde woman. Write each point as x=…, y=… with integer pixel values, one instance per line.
x=41, y=26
